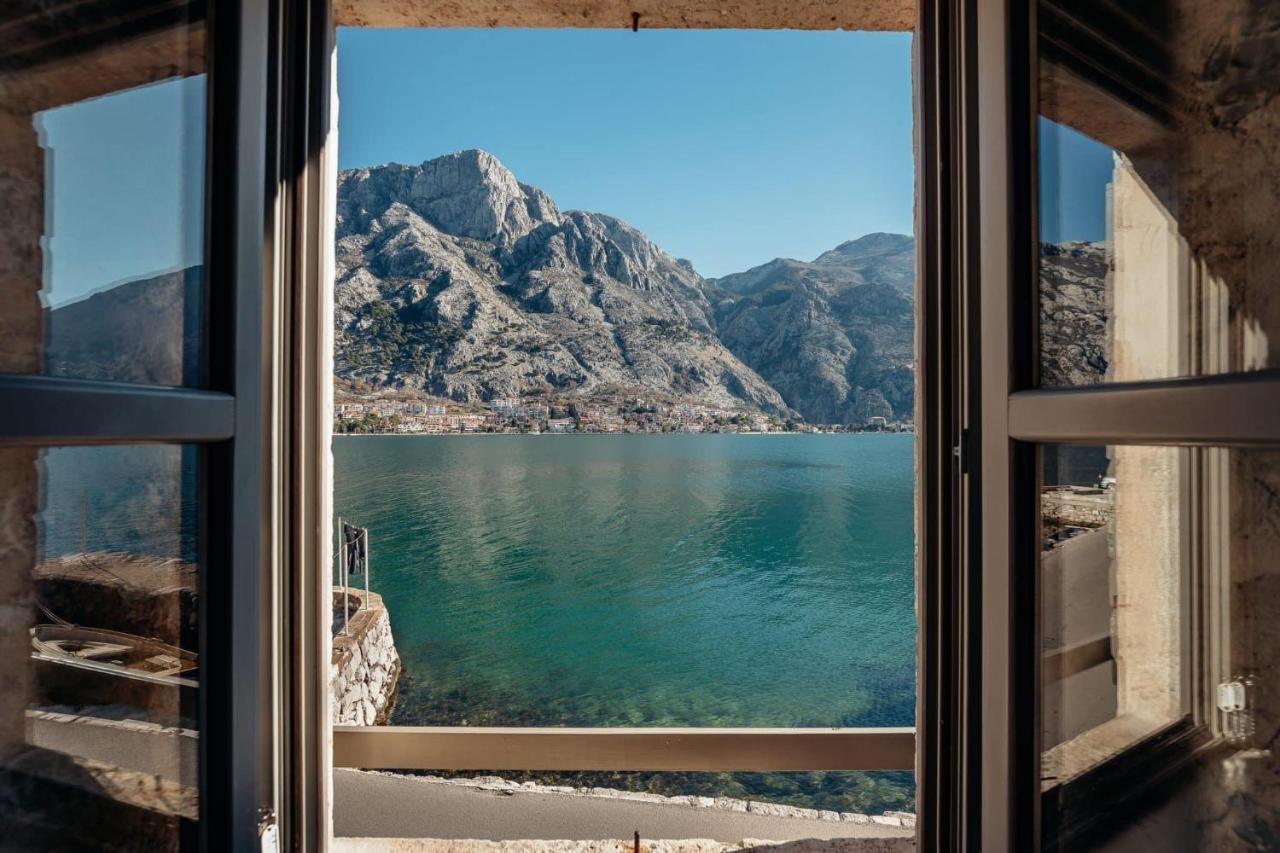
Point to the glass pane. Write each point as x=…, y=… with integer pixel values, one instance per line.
x=1159, y=604
x=105, y=161
x=1115, y=550
x=1159, y=195
x=726, y=807
x=100, y=717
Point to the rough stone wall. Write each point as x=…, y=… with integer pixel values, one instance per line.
x=678, y=14
x=365, y=665
x=1229, y=192
x=1065, y=507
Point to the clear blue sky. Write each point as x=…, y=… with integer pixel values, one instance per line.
x=124, y=179
x=727, y=147
x=1074, y=172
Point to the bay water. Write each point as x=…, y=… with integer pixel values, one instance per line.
x=648, y=580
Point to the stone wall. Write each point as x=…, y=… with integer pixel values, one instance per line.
x=616, y=14
x=365, y=664
x=1082, y=507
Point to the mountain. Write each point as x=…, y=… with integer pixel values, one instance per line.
x=456, y=279
x=834, y=335
x=146, y=330
x=1073, y=313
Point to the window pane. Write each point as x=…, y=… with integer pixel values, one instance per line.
x=1158, y=605
x=104, y=166
x=100, y=717
x=1158, y=200
x=1115, y=551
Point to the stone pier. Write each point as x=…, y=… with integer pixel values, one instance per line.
x=365, y=664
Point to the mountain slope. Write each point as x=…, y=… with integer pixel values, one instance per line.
x=455, y=278
x=146, y=330
x=1073, y=313
x=834, y=335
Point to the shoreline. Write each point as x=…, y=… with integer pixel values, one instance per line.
x=898, y=819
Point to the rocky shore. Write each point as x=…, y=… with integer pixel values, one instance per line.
x=365, y=667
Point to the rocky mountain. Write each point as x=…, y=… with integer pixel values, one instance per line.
x=1073, y=313
x=834, y=335
x=456, y=279
x=146, y=330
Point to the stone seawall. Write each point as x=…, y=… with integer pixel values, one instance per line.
x=365, y=664
x=1075, y=505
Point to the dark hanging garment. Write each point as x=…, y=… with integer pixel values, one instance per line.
x=355, y=540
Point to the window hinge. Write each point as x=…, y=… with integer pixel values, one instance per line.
x=1235, y=701
x=961, y=452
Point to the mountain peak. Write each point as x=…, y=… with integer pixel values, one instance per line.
x=866, y=246
x=466, y=194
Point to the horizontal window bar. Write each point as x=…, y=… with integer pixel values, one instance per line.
x=1232, y=409
x=49, y=410
x=712, y=750
x=1072, y=660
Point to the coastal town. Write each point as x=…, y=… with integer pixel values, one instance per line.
x=434, y=416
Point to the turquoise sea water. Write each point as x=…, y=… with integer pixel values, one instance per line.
x=642, y=580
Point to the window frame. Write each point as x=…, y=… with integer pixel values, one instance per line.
x=922, y=748
x=1012, y=418
x=229, y=419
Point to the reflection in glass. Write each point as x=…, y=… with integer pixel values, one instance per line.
x=109, y=706
x=123, y=242
x=1158, y=605
x=1115, y=545
x=1156, y=249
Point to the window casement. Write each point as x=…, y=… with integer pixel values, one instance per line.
x=1111, y=470
x=201, y=436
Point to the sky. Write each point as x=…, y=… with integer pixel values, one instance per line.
x=1074, y=172
x=124, y=177
x=727, y=147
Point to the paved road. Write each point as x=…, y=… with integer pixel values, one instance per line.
x=374, y=805
x=127, y=744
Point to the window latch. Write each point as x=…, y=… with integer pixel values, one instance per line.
x=1235, y=702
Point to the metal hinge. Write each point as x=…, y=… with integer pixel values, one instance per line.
x=961, y=452
x=1235, y=701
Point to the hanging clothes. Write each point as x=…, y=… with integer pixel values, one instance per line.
x=356, y=541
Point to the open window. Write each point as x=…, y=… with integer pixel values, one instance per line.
x=626, y=520
x=1126, y=422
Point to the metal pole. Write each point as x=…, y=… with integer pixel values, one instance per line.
x=368, y=567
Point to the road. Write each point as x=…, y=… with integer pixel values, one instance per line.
x=375, y=805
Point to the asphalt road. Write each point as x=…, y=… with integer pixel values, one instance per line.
x=375, y=805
